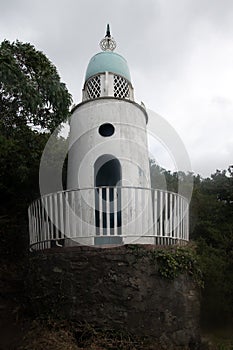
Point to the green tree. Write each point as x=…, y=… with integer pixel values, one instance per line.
x=211, y=213
x=31, y=95
x=30, y=88
x=19, y=185
x=211, y=227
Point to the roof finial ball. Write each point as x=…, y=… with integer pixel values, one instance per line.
x=108, y=43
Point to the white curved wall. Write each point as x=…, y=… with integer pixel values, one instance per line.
x=128, y=143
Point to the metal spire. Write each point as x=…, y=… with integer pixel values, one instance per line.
x=108, y=31
x=108, y=43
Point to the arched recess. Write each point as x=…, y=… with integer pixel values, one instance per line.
x=107, y=173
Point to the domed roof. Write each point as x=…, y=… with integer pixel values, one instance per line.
x=108, y=61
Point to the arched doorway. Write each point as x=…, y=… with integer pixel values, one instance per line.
x=107, y=175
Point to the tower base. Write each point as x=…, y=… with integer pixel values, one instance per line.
x=116, y=288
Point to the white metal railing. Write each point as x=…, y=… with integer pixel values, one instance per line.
x=108, y=215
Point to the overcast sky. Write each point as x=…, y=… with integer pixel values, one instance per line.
x=180, y=55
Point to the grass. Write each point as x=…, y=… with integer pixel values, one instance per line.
x=64, y=335
x=53, y=335
x=219, y=338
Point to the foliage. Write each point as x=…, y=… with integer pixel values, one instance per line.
x=166, y=180
x=30, y=88
x=172, y=261
x=31, y=95
x=19, y=166
x=221, y=339
x=48, y=336
x=211, y=226
x=51, y=334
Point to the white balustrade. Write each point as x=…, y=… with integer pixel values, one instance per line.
x=108, y=216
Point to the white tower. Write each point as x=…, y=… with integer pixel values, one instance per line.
x=108, y=200
x=109, y=152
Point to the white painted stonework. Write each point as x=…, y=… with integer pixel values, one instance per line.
x=128, y=143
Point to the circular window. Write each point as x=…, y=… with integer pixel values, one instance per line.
x=106, y=130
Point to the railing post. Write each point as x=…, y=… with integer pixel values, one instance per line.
x=54, y=196
x=161, y=213
x=101, y=211
x=166, y=224
x=107, y=206
x=61, y=212
x=115, y=200
x=155, y=212
x=67, y=214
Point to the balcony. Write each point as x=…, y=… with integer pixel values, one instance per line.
x=108, y=216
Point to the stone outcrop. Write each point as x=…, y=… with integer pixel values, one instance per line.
x=114, y=288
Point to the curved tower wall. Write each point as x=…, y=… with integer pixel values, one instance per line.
x=128, y=143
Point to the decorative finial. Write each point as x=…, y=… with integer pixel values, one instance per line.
x=108, y=43
x=108, y=31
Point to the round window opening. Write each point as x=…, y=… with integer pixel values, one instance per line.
x=106, y=130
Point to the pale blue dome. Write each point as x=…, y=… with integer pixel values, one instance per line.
x=108, y=61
